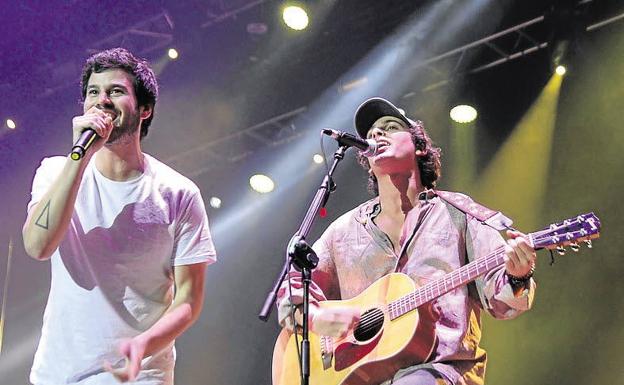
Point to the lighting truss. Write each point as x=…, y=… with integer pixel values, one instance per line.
x=142, y=38
x=235, y=147
x=220, y=10
x=501, y=47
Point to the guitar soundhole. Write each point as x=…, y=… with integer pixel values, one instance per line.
x=370, y=324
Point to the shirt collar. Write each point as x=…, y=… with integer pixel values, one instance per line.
x=371, y=208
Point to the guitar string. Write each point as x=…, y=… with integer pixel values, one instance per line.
x=426, y=293
x=371, y=320
x=367, y=319
x=371, y=324
x=406, y=302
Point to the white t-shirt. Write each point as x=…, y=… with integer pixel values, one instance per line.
x=112, y=275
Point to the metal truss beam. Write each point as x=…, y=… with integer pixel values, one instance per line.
x=235, y=147
x=506, y=45
x=142, y=38
x=225, y=14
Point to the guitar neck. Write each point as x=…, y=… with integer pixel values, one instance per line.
x=584, y=227
x=449, y=282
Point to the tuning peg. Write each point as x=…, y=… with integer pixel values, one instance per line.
x=561, y=250
x=588, y=242
x=574, y=246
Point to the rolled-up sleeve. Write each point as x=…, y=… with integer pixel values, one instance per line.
x=496, y=294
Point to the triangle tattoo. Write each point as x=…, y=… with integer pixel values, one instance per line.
x=44, y=217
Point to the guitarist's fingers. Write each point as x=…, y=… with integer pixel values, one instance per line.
x=518, y=262
x=355, y=318
x=335, y=322
x=525, y=250
x=522, y=248
x=510, y=258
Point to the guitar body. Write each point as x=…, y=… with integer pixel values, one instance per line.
x=368, y=357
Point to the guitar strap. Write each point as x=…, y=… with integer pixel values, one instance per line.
x=459, y=205
x=494, y=219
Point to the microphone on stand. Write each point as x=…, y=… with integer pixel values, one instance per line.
x=367, y=147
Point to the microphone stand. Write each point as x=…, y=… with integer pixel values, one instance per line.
x=301, y=254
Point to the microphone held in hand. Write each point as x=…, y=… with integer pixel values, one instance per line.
x=368, y=147
x=85, y=140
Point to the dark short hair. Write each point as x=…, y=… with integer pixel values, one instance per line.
x=144, y=80
x=429, y=165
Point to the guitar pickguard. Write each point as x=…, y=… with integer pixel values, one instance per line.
x=348, y=353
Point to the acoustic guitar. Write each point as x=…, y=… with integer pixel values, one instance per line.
x=396, y=327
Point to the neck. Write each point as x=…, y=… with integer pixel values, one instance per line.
x=398, y=193
x=121, y=161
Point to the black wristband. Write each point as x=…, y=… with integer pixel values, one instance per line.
x=521, y=281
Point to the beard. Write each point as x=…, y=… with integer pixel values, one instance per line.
x=125, y=130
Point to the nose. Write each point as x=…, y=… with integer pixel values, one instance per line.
x=376, y=132
x=103, y=101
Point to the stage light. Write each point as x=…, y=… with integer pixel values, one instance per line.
x=10, y=124
x=173, y=53
x=560, y=70
x=215, y=202
x=463, y=113
x=317, y=158
x=261, y=183
x=295, y=17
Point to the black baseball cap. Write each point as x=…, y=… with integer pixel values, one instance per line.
x=373, y=109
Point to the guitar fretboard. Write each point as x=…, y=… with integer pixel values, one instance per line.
x=450, y=281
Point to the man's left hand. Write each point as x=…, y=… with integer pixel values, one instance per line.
x=520, y=255
x=133, y=351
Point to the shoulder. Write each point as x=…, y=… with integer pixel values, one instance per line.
x=462, y=203
x=454, y=197
x=51, y=167
x=169, y=178
x=53, y=162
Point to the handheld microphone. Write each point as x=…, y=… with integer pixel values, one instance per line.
x=86, y=138
x=84, y=141
x=368, y=147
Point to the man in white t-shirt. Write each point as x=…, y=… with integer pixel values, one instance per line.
x=127, y=236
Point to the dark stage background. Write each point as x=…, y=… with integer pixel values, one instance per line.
x=240, y=101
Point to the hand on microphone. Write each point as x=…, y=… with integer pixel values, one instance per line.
x=93, y=119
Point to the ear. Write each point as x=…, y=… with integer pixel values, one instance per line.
x=145, y=111
x=420, y=153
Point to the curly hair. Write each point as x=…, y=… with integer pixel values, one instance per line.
x=429, y=165
x=144, y=80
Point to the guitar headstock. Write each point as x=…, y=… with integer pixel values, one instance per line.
x=570, y=232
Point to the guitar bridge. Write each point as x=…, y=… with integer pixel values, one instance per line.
x=327, y=352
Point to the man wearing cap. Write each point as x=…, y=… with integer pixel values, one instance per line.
x=409, y=228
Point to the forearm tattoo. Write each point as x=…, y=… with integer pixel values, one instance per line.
x=44, y=218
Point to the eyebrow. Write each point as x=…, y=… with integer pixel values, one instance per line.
x=113, y=85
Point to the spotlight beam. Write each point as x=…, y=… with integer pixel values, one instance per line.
x=516, y=178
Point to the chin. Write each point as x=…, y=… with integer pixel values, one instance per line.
x=121, y=139
x=381, y=159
